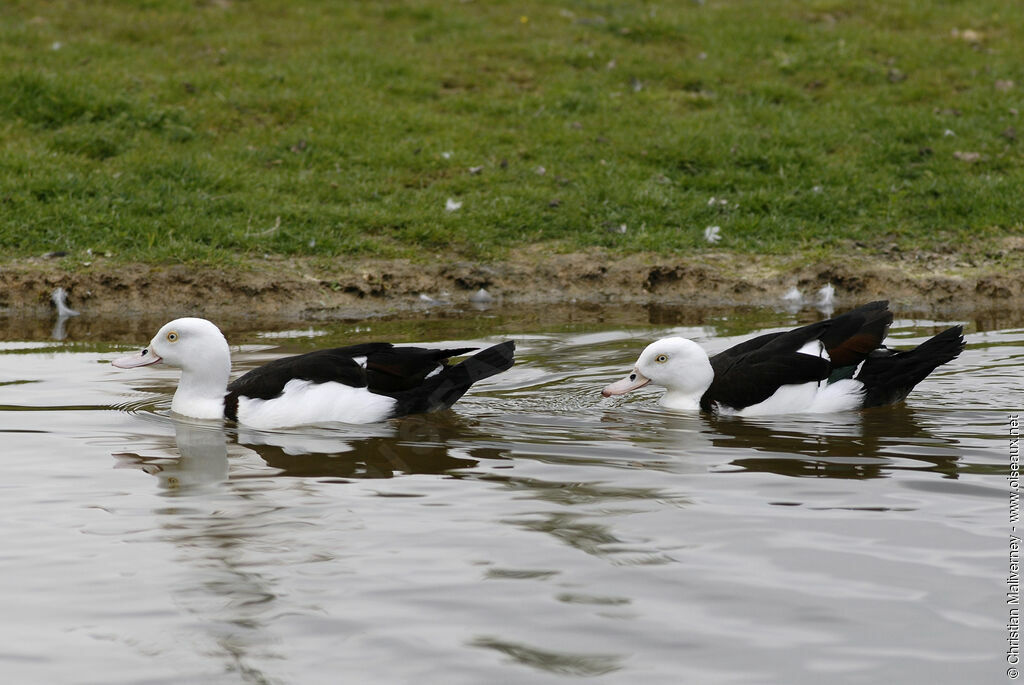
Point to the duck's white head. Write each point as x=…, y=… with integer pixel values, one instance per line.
x=677, y=364
x=199, y=349
x=188, y=344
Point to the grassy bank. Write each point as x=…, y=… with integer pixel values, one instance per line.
x=169, y=130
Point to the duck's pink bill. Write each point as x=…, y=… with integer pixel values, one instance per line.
x=144, y=358
x=628, y=384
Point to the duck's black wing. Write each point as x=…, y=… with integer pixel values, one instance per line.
x=405, y=368
x=380, y=367
x=754, y=370
x=442, y=390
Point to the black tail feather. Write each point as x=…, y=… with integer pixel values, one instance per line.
x=444, y=389
x=889, y=376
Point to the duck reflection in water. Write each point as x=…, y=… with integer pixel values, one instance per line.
x=858, y=445
x=413, y=444
x=199, y=453
x=197, y=458
x=867, y=444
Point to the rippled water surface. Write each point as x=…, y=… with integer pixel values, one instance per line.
x=538, y=533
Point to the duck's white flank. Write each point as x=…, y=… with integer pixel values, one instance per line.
x=809, y=398
x=306, y=403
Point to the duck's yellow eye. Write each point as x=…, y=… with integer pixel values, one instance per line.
x=661, y=358
x=172, y=336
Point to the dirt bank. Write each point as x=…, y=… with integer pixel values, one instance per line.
x=314, y=289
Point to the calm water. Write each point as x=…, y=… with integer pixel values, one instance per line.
x=538, y=533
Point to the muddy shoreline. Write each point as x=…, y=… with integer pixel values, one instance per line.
x=305, y=289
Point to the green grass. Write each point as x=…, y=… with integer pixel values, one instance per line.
x=167, y=130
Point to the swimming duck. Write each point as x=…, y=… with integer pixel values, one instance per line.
x=837, y=364
x=362, y=383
